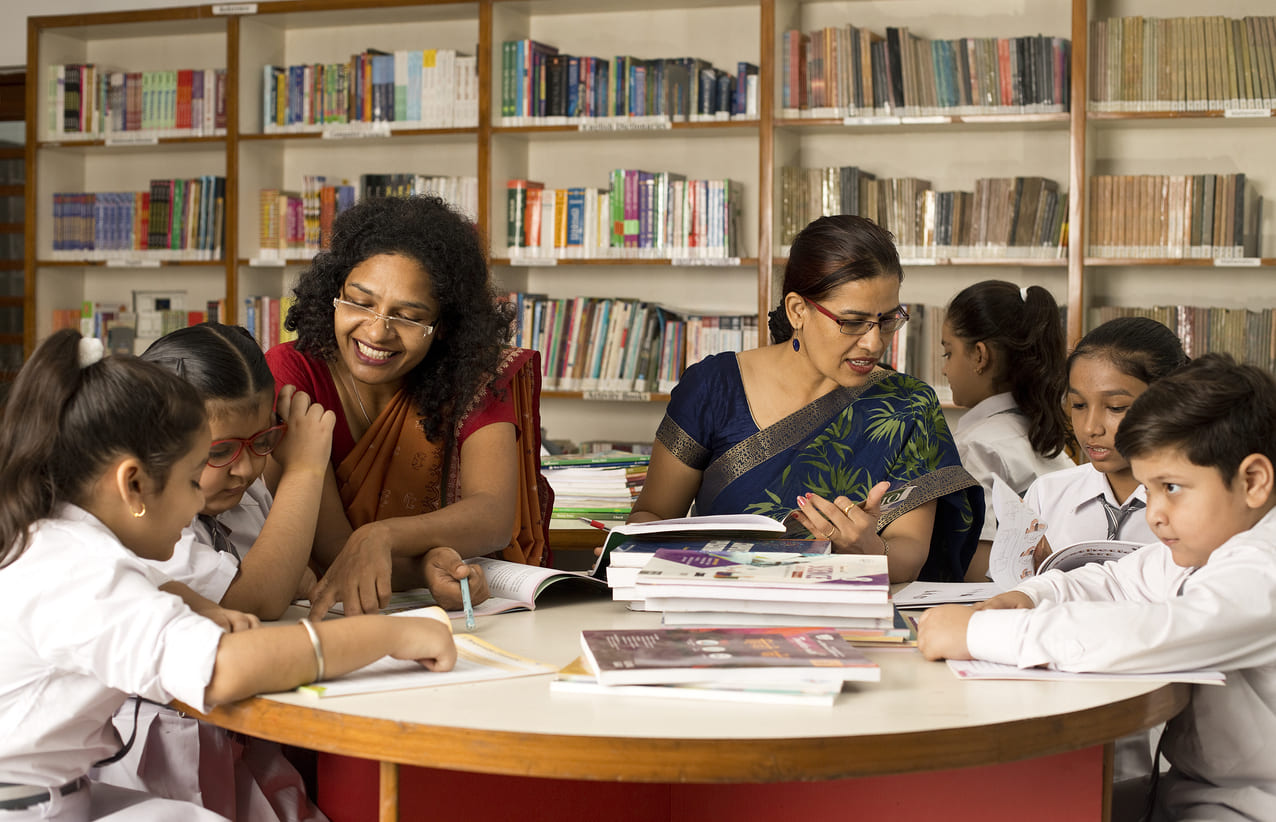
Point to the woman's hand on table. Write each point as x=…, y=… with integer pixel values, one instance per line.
x=850, y=526
x=941, y=632
x=359, y=577
x=308, y=440
x=444, y=569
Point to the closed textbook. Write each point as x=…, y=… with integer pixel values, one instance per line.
x=673, y=655
x=831, y=578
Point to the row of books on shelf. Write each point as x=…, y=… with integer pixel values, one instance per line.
x=174, y=219
x=1004, y=217
x=850, y=71
x=411, y=88
x=1198, y=63
x=656, y=215
x=595, y=486
x=296, y=225
x=621, y=345
x=1248, y=335
x=129, y=330
x=90, y=102
x=1177, y=216
x=540, y=85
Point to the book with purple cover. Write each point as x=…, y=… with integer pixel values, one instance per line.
x=671, y=655
x=831, y=578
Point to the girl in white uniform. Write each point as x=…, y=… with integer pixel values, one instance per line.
x=1107, y=371
x=101, y=465
x=1003, y=357
x=247, y=550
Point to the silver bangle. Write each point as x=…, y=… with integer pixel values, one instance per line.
x=314, y=642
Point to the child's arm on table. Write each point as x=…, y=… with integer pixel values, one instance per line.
x=280, y=658
x=228, y=618
x=270, y=572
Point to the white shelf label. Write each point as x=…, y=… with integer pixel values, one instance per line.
x=533, y=261
x=618, y=396
x=717, y=262
x=132, y=140
x=1237, y=262
x=356, y=131
x=919, y=261
x=267, y=262
x=227, y=9
x=132, y=263
x=1247, y=112
x=871, y=121
x=652, y=123
x=929, y=119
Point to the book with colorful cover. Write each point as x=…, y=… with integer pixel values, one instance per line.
x=635, y=554
x=671, y=655
x=720, y=525
x=576, y=678
x=832, y=578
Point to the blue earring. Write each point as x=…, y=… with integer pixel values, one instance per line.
x=796, y=345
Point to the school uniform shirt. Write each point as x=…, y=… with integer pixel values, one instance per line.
x=82, y=626
x=1068, y=501
x=1220, y=616
x=198, y=564
x=992, y=438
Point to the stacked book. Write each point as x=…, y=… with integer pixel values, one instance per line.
x=595, y=486
x=740, y=571
x=789, y=665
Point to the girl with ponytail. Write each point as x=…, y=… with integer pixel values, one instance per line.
x=1004, y=358
x=100, y=463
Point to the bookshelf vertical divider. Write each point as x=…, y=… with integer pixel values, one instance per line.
x=1077, y=173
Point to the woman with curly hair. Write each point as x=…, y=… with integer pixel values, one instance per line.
x=400, y=333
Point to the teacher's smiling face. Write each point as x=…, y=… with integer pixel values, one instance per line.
x=384, y=318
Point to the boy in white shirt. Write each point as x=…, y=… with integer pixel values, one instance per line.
x=1203, y=443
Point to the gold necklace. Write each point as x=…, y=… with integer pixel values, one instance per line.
x=355, y=388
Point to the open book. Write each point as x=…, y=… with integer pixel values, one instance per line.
x=981, y=669
x=1020, y=529
x=514, y=587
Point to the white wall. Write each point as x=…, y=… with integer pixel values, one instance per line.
x=13, y=32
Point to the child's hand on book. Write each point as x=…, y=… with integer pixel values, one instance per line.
x=444, y=570
x=307, y=444
x=426, y=639
x=941, y=632
x=1008, y=600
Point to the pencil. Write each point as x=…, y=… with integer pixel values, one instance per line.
x=469, y=606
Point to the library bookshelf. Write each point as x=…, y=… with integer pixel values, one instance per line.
x=950, y=150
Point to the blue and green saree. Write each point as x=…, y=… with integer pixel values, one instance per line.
x=844, y=443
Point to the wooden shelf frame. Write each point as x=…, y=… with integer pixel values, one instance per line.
x=489, y=137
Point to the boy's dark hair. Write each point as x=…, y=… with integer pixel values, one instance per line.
x=828, y=253
x=474, y=325
x=1026, y=331
x=223, y=362
x=63, y=424
x=1139, y=347
x=1213, y=410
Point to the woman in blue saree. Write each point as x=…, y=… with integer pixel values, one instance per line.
x=814, y=425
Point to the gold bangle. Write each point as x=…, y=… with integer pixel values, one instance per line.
x=318, y=647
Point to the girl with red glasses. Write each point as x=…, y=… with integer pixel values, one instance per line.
x=246, y=550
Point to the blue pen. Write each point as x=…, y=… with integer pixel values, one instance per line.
x=469, y=606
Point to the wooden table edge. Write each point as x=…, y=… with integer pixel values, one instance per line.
x=676, y=760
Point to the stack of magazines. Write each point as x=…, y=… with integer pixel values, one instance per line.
x=786, y=665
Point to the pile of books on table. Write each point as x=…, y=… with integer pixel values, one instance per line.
x=595, y=486
x=786, y=665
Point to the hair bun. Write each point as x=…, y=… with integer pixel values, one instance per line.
x=90, y=351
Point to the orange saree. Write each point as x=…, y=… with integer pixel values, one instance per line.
x=394, y=471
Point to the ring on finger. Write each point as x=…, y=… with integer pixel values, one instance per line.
x=832, y=531
x=847, y=509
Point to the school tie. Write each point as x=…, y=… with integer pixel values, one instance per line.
x=220, y=534
x=1118, y=514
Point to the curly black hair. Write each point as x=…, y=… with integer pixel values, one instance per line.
x=474, y=325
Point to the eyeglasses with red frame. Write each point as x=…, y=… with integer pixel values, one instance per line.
x=225, y=451
x=888, y=324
